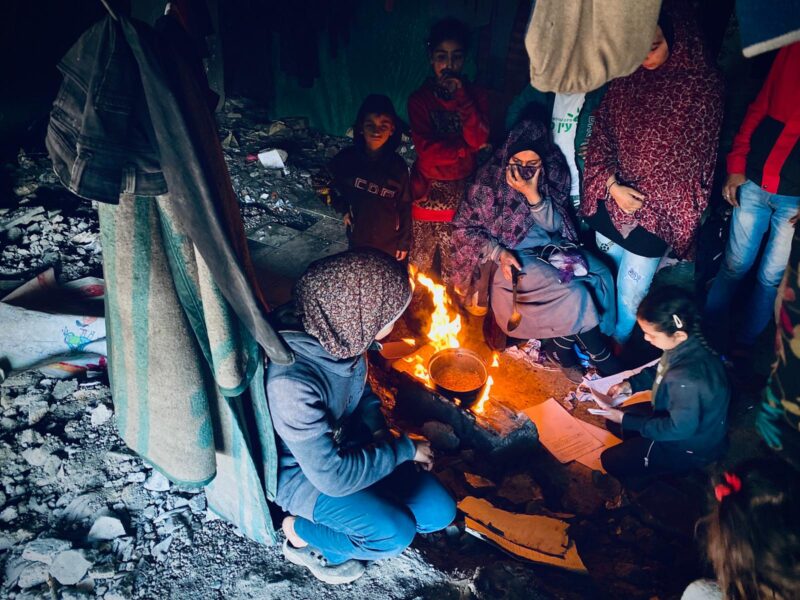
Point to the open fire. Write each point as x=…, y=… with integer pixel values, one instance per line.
x=444, y=333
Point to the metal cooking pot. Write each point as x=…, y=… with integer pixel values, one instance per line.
x=463, y=360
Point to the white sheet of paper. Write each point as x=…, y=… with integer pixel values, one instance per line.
x=602, y=385
x=605, y=437
x=562, y=434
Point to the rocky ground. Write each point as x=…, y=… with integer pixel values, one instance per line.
x=80, y=516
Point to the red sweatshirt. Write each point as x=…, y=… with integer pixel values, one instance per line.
x=766, y=149
x=447, y=134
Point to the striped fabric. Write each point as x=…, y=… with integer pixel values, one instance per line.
x=184, y=370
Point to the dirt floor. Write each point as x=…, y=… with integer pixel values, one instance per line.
x=64, y=469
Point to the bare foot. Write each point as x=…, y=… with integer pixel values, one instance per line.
x=288, y=530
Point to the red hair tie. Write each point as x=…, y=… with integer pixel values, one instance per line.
x=732, y=485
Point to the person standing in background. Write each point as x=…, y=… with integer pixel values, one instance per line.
x=449, y=125
x=763, y=186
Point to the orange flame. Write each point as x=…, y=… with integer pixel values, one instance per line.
x=480, y=405
x=445, y=328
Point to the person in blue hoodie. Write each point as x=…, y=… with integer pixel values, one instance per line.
x=354, y=492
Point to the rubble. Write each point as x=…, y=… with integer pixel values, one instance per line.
x=82, y=517
x=69, y=567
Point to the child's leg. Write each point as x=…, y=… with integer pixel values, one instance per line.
x=640, y=456
x=427, y=499
x=633, y=282
x=364, y=526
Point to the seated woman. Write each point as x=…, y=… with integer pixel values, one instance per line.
x=351, y=488
x=514, y=213
x=685, y=426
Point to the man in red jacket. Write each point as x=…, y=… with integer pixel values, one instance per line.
x=763, y=186
x=449, y=124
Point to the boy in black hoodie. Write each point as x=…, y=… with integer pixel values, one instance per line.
x=372, y=182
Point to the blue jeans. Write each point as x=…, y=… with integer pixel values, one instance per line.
x=757, y=213
x=634, y=275
x=380, y=521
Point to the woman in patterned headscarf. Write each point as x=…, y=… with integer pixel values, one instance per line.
x=651, y=157
x=516, y=216
x=348, y=484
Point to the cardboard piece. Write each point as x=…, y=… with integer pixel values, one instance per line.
x=562, y=434
x=536, y=538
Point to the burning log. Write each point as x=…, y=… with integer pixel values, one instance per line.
x=434, y=385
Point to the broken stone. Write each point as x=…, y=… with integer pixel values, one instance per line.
x=161, y=549
x=83, y=507
x=44, y=550
x=9, y=514
x=36, y=412
x=34, y=573
x=106, y=571
x=69, y=567
x=29, y=437
x=65, y=388
x=36, y=457
x=156, y=482
x=14, y=235
x=197, y=504
x=100, y=414
x=105, y=528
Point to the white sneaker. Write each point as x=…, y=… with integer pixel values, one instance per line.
x=312, y=559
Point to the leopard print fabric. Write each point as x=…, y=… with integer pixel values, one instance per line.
x=443, y=195
x=430, y=237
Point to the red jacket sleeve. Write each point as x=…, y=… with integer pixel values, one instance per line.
x=429, y=147
x=737, y=157
x=473, y=108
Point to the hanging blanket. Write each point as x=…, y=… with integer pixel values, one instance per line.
x=186, y=375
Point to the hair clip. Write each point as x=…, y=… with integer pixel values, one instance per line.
x=731, y=485
x=677, y=320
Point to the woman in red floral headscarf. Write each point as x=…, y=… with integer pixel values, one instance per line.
x=651, y=157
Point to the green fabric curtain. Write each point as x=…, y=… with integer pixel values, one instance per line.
x=385, y=54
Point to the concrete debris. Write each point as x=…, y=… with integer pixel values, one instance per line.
x=34, y=573
x=65, y=388
x=105, y=528
x=156, y=482
x=69, y=567
x=160, y=550
x=83, y=517
x=36, y=457
x=44, y=550
x=100, y=415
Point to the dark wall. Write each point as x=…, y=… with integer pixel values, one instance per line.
x=34, y=34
